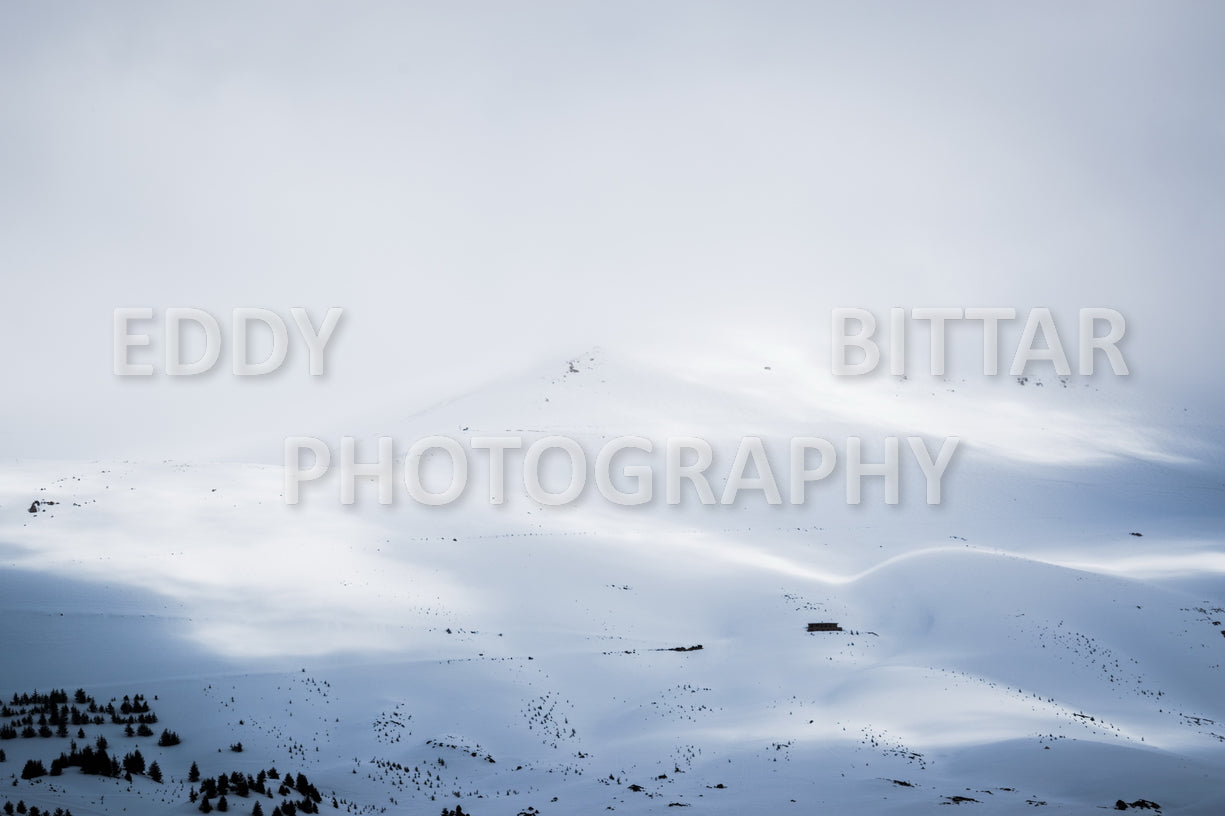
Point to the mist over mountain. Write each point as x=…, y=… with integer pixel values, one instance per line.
x=584, y=263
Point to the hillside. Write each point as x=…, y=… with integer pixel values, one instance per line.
x=1018, y=645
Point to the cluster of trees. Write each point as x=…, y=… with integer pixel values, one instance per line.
x=133, y=719
x=48, y=715
x=54, y=705
x=266, y=783
x=223, y=806
x=45, y=715
x=53, y=697
x=53, y=723
x=288, y=808
x=9, y=810
x=133, y=705
x=95, y=761
x=8, y=732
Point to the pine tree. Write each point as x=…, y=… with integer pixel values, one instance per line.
x=33, y=769
x=257, y=810
x=134, y=762
x=222, y=805
x=194, y=774
x=155, y=772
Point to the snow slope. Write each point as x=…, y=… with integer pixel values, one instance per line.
x=1016, y=645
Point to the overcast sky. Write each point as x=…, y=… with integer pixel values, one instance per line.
x=486, y=185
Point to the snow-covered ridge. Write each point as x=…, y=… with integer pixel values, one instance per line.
x=1050, y=634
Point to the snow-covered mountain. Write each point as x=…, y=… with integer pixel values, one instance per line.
x=1049, y=637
